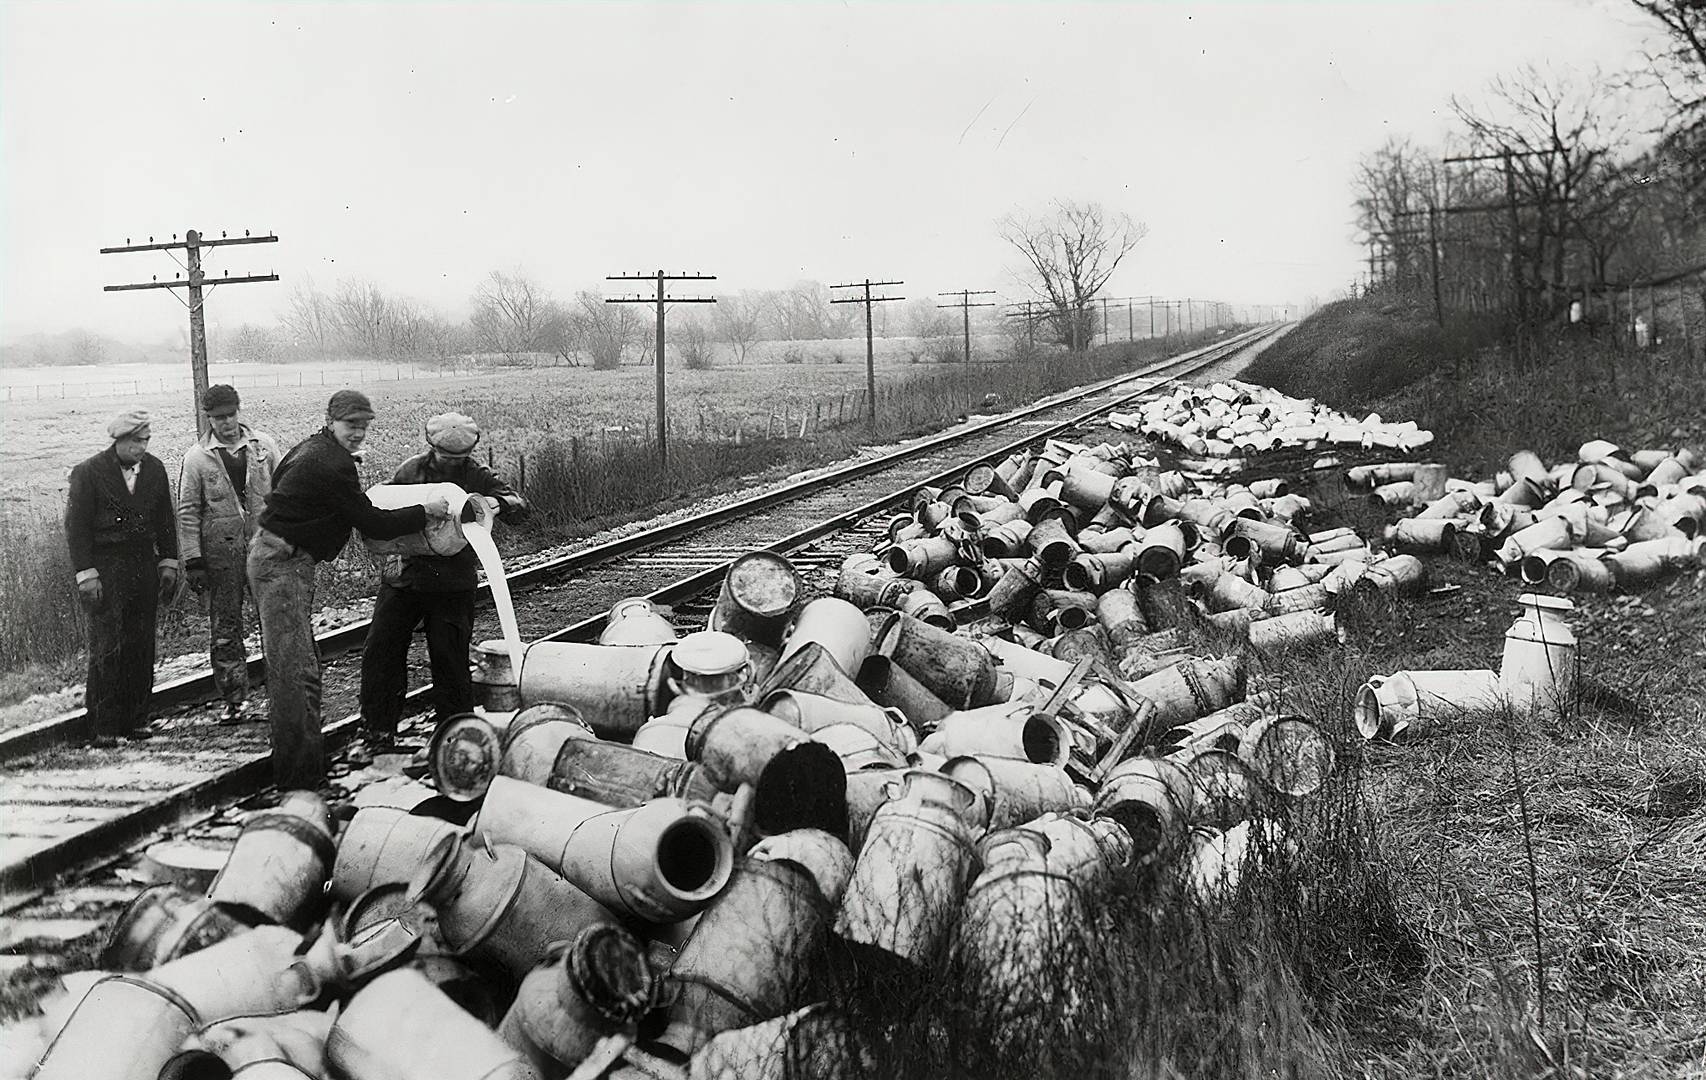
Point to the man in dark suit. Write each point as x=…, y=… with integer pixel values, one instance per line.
x=123, y=535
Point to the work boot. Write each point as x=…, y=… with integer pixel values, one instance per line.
x=144, y=732
x=363, y=748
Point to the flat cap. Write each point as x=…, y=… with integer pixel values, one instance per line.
x=349, y=405
x=128, y=423
x=452, y=433
x=219, y=396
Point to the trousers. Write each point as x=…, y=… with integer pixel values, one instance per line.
x=449, y=621
x=227, y=585
x=120, y=684
x=281, y=577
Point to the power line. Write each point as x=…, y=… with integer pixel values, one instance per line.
x=192, y=245
x=965, y=305
x=660, y=300
x=870, y=348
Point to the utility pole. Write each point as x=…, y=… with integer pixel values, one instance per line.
x=1030, y=321
x=965, y=305
x=192, y=245
x=870, y=347
x=661, y=299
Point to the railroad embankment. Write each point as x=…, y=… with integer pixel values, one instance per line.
x=1547, y=872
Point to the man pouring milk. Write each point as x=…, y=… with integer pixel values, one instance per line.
x=433, y=591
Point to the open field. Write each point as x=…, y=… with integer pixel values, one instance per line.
x=579, y=477
x=517, y=407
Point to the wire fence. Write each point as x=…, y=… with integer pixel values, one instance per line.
x=97, y=388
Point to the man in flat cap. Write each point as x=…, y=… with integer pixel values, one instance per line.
x=222, y=489
x=436, y=591
x=316, y=501
x=124, y=548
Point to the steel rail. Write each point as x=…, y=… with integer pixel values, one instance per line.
x=28, y=876
x=199, y=687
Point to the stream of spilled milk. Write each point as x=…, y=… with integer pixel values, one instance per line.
x=480, y=539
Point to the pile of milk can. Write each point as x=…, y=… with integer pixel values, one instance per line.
x=1235, y=418
x=635, y=855
x=1609, y=520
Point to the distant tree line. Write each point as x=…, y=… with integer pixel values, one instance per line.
x=514, y=318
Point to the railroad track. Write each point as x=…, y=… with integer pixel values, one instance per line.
x=68, y=807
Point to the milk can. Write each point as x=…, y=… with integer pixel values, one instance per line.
x=280, y=862
x=636, y=621
x=760, y=593
x=494, y=677
x=1538, y=670
x=746, y=959
x=402, y=1025
x=163, y=923
x=441, y=536
x=660, y=861
x=595, y=986
x=914, y=867
x=615, y=688
x=500, y=904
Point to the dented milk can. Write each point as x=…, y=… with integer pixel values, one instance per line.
x=913, y=869
x=500, y=904
x=163, y=923
x=747, y=957
x=595, y=986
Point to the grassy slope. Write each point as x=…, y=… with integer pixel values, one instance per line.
x=1605, y=801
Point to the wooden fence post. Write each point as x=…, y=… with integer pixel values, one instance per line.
x=521, y=471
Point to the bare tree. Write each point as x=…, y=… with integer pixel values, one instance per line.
x=513, y=315
x=804, y=313
x=359, y=313
x=604, y=331
x=1070, y=251
x=693, y=341
x=930, y=327
x=737, y=322
x=1563, y=135
x=86, y=348
x=253, y=344
x=308, y=321
x=1679, y=70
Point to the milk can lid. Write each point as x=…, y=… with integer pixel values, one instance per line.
x=709, y=652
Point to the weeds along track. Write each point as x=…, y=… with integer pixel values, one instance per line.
x=63, y=806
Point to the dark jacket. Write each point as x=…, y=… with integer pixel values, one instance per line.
x=105, y=520
x=448, y=573
x=317, y=499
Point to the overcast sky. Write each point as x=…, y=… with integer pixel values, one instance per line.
x=422, y=146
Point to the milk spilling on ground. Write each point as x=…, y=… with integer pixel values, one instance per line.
x=480, y=539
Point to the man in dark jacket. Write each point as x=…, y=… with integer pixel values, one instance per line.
x=316, y=501
x=124, y=547
x=435, y=590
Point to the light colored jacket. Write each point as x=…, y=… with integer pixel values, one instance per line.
x=212, y=522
